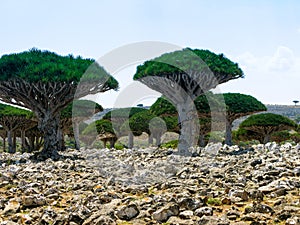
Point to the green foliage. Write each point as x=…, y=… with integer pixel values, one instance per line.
x=281, y=136
x=171, y=144
x=244, y=104
x=82, y=108
x=8, y=110
x=36, y=65
x=214, y=201
x=119, y=146
x=162, y=106
x=268, y=119
x=102, y=127
x=123, y=112
x=171, y=123
x=185, y=60
x=139, y=122
x=246, y=135
x=295, y=137
x=233, y=102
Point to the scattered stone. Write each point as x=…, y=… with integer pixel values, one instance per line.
x=163, y=214
x=12, y=207
x=204, y=211
x=128, y=212
x=225, y=185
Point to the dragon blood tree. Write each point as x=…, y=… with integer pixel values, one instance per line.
x=239, y=105
x=120, y=116
x=46, y=83
x=74, y=114
x=182, y=76
x=266, y=124
x=15, y=120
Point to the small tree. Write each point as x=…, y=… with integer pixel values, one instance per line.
x=239, y=105
x=14, y=119
x=120, y=116
x=46, y=83
x=147, y=122
x=182, y=76
x=77, y=112
x=266, y=124
x=296, y=102
x=105, y=131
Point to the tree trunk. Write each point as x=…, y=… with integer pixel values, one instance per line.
x=112, y=143
x=14, y=141
x=10, y=142
x=228, y=134
x=76, y=135
x=150, y=139
x=23, y=143
x=104, y=142
x=201, y=141
x=61, y=139
x=49, y=126
x=267, y=138
x=4, y=144
x=189, y=132
x=158, y=140
x=130, y=140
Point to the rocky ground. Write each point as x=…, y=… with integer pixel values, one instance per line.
x=218, y=185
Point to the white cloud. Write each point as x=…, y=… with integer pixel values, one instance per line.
x=271, y=79
x=298, y=30
x=282, y=60
x=247, y=60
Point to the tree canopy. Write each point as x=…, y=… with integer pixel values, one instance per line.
x=8, y=110
x=123, y=112
x=188, y=60
x=82, y=109
x=268, y=119
x=36, y=65
x=266, y=124
x=241, y=104
x=102, y=127
x=46, y=83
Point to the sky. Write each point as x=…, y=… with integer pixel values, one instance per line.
x=263, y=37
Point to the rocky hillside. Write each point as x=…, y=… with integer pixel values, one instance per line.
x=286, y=110
x=218, y=185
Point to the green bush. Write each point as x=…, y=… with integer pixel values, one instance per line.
x=214, y=201
x=119, y=146
x=171, y=144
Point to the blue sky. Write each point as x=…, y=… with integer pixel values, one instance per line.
x=262, y=36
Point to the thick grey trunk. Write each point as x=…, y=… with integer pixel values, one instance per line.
x=61, y=139
x=104, y=142
x=76, y=135
x=14, y=142
x=158, y=140
x=10, y=142
x=189, y=132
x=201, y=141
x=130, y=140
x=267, y=138
x=112, y=143
x=23, y=141
x=4, y=144
x=49, y=126
x=228, y=133
x=150, y=139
